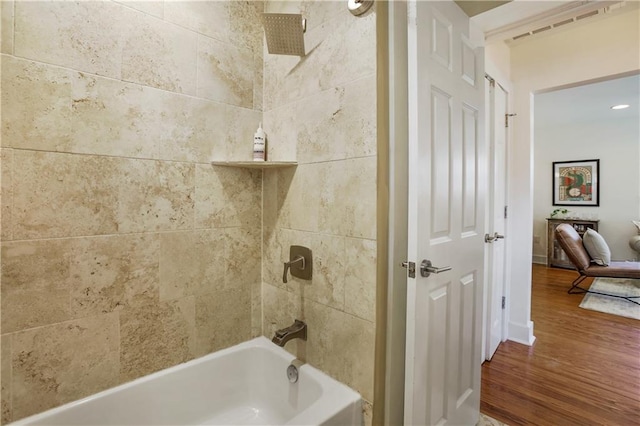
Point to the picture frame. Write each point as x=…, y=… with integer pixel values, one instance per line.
x=576, y=183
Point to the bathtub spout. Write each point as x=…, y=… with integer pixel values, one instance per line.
x=298, y=330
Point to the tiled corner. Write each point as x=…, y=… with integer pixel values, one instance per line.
x=5, y=378
x=223, y=319
x=329, y=62
x=48, y=369
x=270, y=200
x=225, y=73
x=275, y=251
x=227, y=196
x=299, y=197
x=258, y=81
x=282, y=128
x=191, y=263
x=280, y=309
x=327, y=284
x=6, y=37
x=84, y=36
x=339, y=123
x=156, y=337
x=342, y=346
x=245, y=24
x=360, y=278
x=222, y=132
x=256, y=309
x=160, y=55
x=332, y=207
x=367, y=412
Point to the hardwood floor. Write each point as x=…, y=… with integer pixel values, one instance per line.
x=584, y=368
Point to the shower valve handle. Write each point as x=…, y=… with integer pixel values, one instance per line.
x=287, y=265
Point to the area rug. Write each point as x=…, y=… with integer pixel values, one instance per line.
x=613, y=305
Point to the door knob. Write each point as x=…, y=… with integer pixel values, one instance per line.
x=426, y=268
x=491, y=238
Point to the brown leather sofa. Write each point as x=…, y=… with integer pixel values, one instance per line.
x=571, y=243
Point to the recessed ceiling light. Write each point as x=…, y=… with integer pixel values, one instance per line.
x=623, y=106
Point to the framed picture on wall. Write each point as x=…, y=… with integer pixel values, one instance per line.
x=576, y=183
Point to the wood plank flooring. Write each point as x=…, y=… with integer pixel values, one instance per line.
x=583, y=369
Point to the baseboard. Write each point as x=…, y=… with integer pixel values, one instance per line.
x=521, y=333
x=540, y=260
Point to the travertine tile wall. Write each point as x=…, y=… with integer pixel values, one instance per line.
x=321, y=111
x=123, y=250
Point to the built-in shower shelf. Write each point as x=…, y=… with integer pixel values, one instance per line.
x=256, y=164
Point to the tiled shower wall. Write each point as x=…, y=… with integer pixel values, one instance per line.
x=123, y=250
x=321, y=111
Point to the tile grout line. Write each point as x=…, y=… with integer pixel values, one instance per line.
x=316, y=94
x=188, y=162
x=125, y=82
x=124, y=234
x=322, y=304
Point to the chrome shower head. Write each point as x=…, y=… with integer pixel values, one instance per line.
x=284, y=33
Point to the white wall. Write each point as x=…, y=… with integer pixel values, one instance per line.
x=602, y=48
x=498, y=57
x=616, y=143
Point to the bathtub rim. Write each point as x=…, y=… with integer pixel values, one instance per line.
x=334, y=393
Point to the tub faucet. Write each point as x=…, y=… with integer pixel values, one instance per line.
x=298, y=330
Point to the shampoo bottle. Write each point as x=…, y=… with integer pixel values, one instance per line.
x=259, y=145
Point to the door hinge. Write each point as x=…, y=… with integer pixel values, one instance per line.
x=411, y=267
x=505, y=212
x=506, y=119
x=503, y=302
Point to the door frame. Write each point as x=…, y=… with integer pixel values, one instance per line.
x=393, y=195
x=393, y=190
x=392, y=58
x=500, y=79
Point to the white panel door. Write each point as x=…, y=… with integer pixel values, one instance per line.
x=447, y=188
x=497, y=220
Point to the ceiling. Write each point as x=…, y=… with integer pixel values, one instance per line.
x=589, y=102
x=473, y=8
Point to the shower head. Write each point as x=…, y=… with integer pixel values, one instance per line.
x=284, y=33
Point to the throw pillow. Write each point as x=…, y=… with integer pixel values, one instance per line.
x=597, y=247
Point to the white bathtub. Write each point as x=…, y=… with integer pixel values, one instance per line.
x=243, y=385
